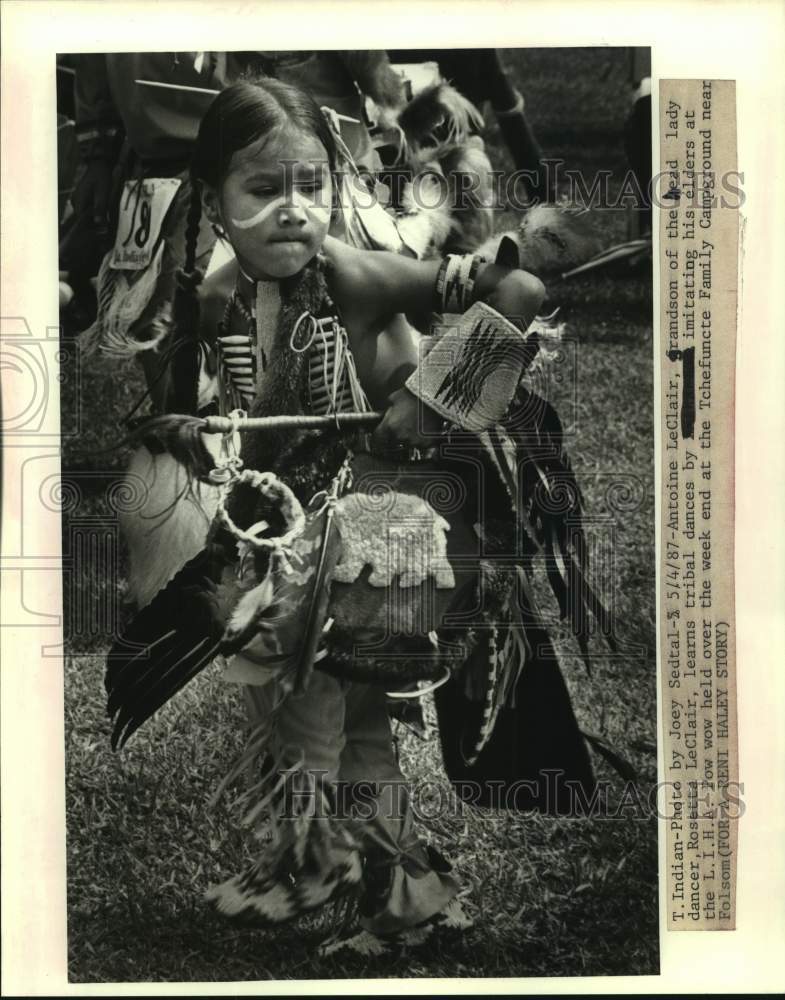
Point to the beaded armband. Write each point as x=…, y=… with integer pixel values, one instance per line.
x=454, y=289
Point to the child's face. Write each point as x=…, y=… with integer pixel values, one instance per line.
x=275, y=203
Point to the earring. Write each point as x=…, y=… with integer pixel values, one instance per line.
x=219, y=231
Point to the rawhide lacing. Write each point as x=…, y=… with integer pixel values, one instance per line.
x=270, y=487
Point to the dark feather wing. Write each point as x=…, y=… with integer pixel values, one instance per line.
x=169, y=642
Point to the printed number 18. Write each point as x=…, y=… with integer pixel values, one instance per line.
x=143, y=232
x=140, y=233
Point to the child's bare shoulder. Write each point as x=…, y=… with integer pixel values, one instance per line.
x=363, y=283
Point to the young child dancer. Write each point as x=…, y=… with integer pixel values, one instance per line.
x=314, y=326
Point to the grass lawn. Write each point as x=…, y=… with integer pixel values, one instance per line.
x=549, y=897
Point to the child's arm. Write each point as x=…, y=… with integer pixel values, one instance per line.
x=370, y=287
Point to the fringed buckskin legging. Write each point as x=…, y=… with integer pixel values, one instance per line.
x=343, y=730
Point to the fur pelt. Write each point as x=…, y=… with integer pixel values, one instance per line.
x=447, y=205
x=439, y=115
x=425, y=221
x=472, y=205
x=373, y=74
x=551, y=239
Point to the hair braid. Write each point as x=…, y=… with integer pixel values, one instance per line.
x=186, y=351
x=192, y=224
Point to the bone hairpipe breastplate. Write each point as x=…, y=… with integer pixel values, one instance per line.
x=244, y=351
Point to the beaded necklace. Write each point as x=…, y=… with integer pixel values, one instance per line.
x=333, y=385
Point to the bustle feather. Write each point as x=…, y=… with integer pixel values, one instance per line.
x=171, y=640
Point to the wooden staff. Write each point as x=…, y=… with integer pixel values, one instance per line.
x=224, y=425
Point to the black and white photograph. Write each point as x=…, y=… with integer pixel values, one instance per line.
x=358, y=514
x=392, y=575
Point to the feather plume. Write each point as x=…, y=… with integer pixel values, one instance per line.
x=171, y=524
x=170, y=641
x=553, y=504
x=438, y=207
x=551, y=239
x=182, y=437
x=248, y=615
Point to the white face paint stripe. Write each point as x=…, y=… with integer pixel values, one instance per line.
x=260, y=216
x=318, y=212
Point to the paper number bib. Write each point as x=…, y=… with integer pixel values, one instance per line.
x=143, y=207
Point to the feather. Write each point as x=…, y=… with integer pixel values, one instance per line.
x=134, y=714
x=131, y=676
x=170, y=523
x=170, y=641
x=551, y=239
x=182, y=437
x=620, y=764
x=180, y=631
x=329, y=551
x=488, y=653
x=552, y=503
x=246, y=618
x=437, y=205
x=280, y=622
x=585, y=599
x=633, y=252
x=517, y=651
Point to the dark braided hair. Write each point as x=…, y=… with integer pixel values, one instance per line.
x=239, y=116
x=186, y=351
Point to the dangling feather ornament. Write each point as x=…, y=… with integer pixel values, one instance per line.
x=204, y=611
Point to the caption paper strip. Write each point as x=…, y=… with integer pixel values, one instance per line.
x=699, y=234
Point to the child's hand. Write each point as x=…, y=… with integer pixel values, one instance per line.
x=407, y=421
x=517, y=296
